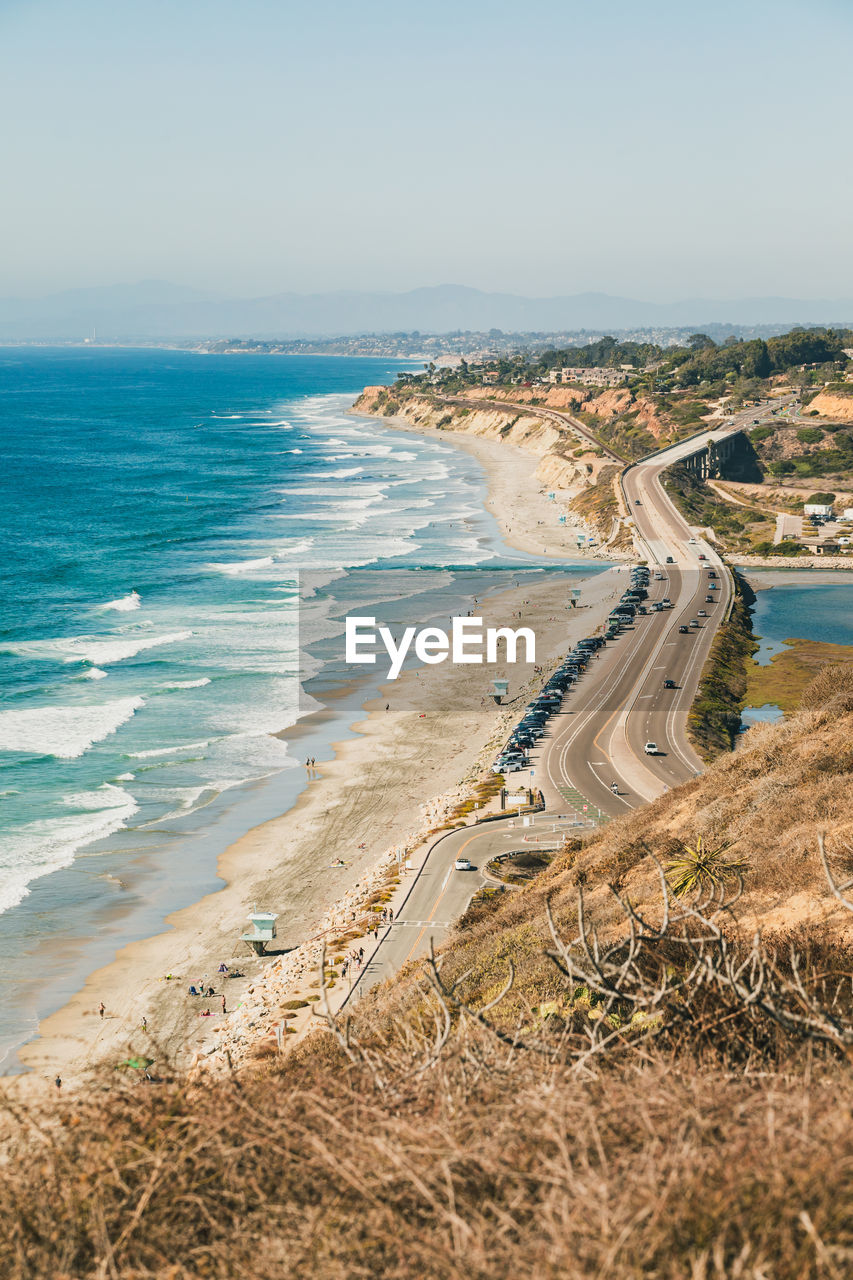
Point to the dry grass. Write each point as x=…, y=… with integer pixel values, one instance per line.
x=710, y=1147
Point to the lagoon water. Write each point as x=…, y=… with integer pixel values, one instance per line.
x=180, y=535
x=808, y=610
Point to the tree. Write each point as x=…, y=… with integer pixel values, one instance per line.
x=700, y=342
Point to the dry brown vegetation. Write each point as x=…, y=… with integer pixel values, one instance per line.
x=660, y=1096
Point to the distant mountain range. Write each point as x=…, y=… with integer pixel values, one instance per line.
x=155, y=310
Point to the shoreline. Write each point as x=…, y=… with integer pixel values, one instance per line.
x=513, y=491
x=338, y=812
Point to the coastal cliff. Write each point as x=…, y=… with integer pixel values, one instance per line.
x=567, y=461
x=837, y=405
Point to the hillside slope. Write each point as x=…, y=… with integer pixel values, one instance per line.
x=679, y=1106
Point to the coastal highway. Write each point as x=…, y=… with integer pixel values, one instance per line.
x=598, y=736
x=438, y=894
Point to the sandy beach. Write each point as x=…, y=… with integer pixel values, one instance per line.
x=517, y=498
x=383, y=792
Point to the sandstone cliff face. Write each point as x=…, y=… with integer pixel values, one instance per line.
x=557, y=447
x=835, y=405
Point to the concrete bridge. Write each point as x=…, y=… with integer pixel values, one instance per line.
x=718, y=455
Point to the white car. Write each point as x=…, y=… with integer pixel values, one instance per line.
x=462, y=864
x=651, y=748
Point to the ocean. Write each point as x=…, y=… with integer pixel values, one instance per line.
x=181, y=535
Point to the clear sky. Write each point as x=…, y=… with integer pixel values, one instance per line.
x=659, y=149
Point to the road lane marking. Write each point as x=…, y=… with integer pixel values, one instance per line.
x=429, y=920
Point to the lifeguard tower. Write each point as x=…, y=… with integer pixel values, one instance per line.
x=499, y=690
x=263, y=931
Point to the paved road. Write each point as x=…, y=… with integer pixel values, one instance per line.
x=606, y=719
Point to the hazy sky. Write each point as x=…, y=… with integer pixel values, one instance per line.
x=658, y=150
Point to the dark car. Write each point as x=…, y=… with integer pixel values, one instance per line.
x=709, y=599
x=670, y=560
x=684, y=631
x=670, y=684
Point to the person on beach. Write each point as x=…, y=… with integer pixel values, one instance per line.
x=144, y=1023
x=224, y=1010
x=58, y=1083
x=102, y=1009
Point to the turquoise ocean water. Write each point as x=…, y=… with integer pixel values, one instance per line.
x=158, y=513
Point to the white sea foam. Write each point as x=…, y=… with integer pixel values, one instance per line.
x=64, y=732
x=169, y=751
x=185, y=684
x=125, y=777
x=50, y=844
x=344, y=472
x=94, y=673
x=125, y=604
x=294, y=450
x=242, y=566
x=95, y=649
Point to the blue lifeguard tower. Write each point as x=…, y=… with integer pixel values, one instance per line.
x=263, y=931
x=499, y=689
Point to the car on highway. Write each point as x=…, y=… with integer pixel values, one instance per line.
x=709, y=599
x=462, y=864
x=692, y=540
x=666, y=602
x=651, y=748
x=658, y=576
x=657, y=606
x=670, y=560
x=703, y=613
x=702, y=555
x=669, y=684
x=712, y=586
x=712, y=573
x=637, y=502
x=684, y=631
x=694, y=622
